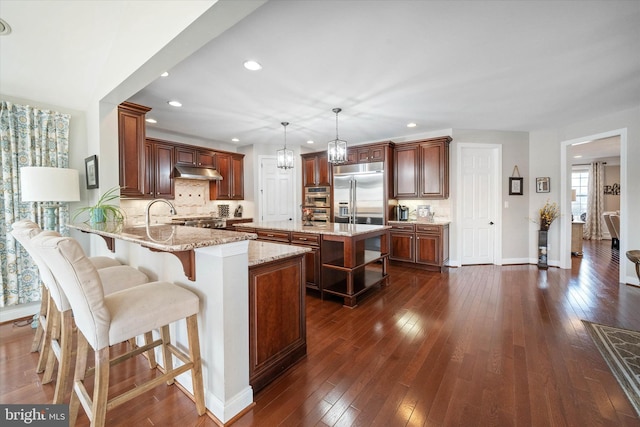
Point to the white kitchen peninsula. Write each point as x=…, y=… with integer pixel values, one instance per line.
x=214, y=264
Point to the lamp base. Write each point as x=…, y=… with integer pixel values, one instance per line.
x=51, y=216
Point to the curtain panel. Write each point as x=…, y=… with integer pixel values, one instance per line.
x=595, y=202
x=28, y=137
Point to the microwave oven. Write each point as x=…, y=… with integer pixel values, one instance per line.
x=319, y=197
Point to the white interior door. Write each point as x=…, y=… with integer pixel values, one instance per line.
x=478, y=204
x=276, y=191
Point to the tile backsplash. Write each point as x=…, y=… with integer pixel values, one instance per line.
x=441, y=208
x=191, y=198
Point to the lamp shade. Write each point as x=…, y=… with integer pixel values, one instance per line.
x=45, y=184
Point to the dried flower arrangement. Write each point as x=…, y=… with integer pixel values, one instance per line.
x=548, y=213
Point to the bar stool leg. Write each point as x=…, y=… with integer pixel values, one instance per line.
x=100, y=388
x=49, y=329
x=42, y=316
x=151, y=354
x=194, y=355
x=64, y=364
x=166, y=353
x=78, y=378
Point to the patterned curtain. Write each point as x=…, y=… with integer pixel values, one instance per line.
x=595, y=202
x=28, y=137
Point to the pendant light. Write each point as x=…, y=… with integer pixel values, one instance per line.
x=284, y=156
x=337, y=150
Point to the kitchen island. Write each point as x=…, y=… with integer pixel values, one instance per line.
x=221, y=263
x=347, y=259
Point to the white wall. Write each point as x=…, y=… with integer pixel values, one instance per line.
x=515, y=222
x=545, y=149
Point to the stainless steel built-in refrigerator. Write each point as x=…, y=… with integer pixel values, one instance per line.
x=358, y=193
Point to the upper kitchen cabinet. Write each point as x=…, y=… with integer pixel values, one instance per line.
x=131, y=149
x=194, y=156
x=231, y=167
x=159, y=158
x=421, y=169
x=315, y=169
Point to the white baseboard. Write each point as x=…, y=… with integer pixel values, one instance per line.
x=510, y=261
x=7, y=314
x=632, y=280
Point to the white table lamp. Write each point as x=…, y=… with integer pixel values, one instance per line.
x=51, y=186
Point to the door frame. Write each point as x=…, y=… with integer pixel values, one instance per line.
x=496, y=150
x=565, y=196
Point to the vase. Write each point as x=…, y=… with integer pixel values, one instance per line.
x=97, y=216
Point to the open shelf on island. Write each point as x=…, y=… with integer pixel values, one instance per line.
x=351, y=265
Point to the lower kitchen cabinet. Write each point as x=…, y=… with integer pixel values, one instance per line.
x=311, y=259
x=423, y=246
x=277, y=322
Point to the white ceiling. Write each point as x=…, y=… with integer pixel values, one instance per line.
x=517, y=65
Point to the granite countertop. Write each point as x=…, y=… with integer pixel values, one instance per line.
x=169, y=238
x=317, y=227
x=263, y=252
x=436, y=221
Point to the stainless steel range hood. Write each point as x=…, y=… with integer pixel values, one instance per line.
x=190, y=172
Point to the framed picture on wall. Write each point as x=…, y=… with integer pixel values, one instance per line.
x=91, y=171
x=515, y=186
x=543, y=185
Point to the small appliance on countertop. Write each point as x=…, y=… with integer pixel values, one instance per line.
x=238, y=212
x=402, y=213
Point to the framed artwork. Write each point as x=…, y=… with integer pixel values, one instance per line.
x=516, y=186
x=91, y=171
x=543, y=185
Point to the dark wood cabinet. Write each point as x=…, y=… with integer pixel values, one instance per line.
x=277, y=321
x=402, y=246
x=315, y=169
x=206, y=158
x=146, y=166
x=159, y=160
x=406, y=171
x=131, y=149
x=423, y=246
x=311, y=259
x=194, y=156
x=434, y=169
x=231, y=167
x=185, y=155
x=421, y=169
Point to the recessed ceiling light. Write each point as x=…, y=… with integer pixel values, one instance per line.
x=411, y=125
x=577, y=157
x=309, y=142
x=165, y=74
x=252, y=65
x=235, y=140
x=151, y=120
x=174, y=103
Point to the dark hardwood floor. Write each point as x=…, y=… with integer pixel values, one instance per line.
x=476, y=346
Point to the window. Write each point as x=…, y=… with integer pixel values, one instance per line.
x=579, y=183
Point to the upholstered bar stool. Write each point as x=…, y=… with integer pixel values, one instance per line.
x=58, y=324
x=99, y=262
x=104, y=320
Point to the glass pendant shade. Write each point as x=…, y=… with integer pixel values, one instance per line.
x=284, y=157
x=337, y=149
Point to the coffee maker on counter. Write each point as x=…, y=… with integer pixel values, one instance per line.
x=402, y=213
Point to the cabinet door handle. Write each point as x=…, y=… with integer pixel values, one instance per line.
x=490, y=222
x=269, y=235
x=302, y=238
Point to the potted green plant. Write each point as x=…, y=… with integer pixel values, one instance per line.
x=102, y=210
